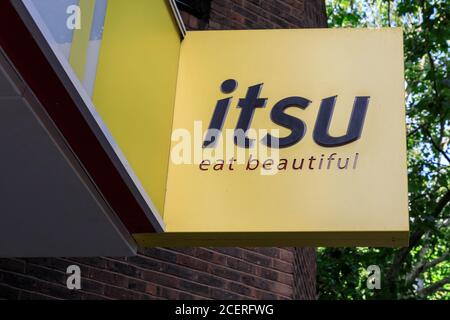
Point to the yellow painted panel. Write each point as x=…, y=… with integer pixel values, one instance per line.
x=135, y=86
x=369, y=200
x=78, y=52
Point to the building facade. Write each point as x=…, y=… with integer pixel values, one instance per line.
x=187, y=273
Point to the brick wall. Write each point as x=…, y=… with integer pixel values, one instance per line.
x=189, y=273
x=160, y=273
x=304, y=274
x=261, y=14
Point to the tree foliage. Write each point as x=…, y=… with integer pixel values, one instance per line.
x=422, y=270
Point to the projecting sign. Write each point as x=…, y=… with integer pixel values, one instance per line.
x=286, y=137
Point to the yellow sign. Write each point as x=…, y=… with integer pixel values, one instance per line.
x=279, y=137
x=352, y=191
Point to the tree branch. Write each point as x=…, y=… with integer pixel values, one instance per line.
x=445, y=224
x=436, y=146
x=414, y=240
x=389, y=12
x=433, y=70
x=424, y=266
x=426, y=20
x=420, y=127
x=433, y=287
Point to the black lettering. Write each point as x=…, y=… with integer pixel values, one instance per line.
x=297, y=126
x=248, y=106
x=321, y=131
x=219, y=115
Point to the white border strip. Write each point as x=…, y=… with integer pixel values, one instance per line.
x=177, y=16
